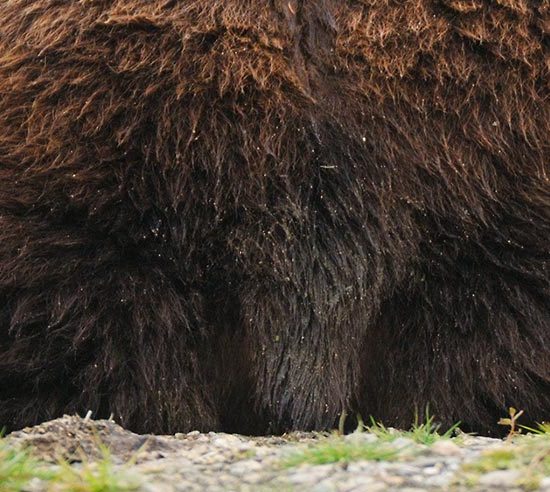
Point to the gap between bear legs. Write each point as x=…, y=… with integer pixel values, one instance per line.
x=304, y=309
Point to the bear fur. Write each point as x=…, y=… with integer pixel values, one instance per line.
x=252, y=216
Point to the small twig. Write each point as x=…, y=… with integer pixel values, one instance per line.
x=360, y=423
x=511, y=422
x=342, y=422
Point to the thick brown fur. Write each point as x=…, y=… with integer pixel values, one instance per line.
x=252, y=215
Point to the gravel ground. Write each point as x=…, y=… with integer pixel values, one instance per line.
x=217, y=461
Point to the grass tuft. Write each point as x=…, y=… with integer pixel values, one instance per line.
x=338, y=450
x=543, y=428
x=95, y=476
x=18, y=468
x=528, y=454
x=426, y=432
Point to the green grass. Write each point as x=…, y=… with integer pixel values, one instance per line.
x=19, y=467
x=95, y=476
x=528, y=454
x=426, y=432
x=337, y=450
x=541, y=429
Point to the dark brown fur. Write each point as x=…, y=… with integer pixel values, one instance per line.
x=253, y=215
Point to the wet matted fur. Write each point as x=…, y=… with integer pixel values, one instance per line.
x=252, y=215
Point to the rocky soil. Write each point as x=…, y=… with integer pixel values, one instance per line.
x=217, y=461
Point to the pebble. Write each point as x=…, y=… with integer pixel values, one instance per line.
x=402, y=442
x=446, y=448
x=500, y=478
x=244, y=467
x=441, y=480
x=226, y=441
x=361, y=437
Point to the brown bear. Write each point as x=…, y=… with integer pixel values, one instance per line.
x=253, y=216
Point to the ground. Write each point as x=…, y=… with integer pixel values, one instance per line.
x=81, y=454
